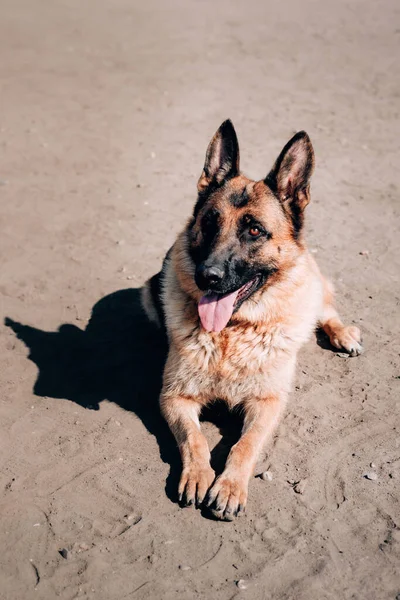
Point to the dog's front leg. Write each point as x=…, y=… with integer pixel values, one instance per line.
x=343, y=337
x=228, y=496
x=182, y=416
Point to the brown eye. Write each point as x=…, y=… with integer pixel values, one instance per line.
x=254, y=231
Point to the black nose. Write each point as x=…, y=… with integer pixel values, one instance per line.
x=208, y=276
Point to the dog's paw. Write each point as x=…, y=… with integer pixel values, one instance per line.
x=194, y=483
x=347, y=338
x=227, y=498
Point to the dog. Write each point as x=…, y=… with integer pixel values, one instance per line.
x=237, y=296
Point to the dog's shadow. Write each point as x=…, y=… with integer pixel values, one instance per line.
x=119, y=357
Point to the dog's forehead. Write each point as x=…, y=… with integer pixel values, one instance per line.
x=241, y=196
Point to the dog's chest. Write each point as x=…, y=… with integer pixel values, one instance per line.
x=236, y=364
x=234, y=352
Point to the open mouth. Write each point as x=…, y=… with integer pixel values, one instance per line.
x=215, y=310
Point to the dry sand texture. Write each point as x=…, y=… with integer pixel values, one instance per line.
x=106, y=108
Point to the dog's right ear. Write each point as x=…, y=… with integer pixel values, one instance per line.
x=222, y=157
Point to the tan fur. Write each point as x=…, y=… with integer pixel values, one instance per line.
x=252, y=361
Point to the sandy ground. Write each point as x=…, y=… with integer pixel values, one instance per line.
x=106, y=109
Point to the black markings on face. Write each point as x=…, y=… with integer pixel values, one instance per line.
x=210, y=224
x=210, y=228
x=239, y=199
x=203, y=196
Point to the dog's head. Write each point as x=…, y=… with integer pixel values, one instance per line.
x=245, y=233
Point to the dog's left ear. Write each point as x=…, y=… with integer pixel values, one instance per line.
x=290, y=175
x=222, y=157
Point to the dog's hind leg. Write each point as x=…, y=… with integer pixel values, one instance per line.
x=343, y=337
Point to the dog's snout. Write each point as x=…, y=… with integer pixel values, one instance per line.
x=208, y=276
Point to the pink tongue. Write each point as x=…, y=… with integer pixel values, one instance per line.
x=215, y=311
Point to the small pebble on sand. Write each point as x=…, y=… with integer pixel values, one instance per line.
x=371, y=476
x=241, y=584
x=185, y=567
x=266, y=476
x=364, y=252
x=372, y=465
x=64, y=552
x=83, y=547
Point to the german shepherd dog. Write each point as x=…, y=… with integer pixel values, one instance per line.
x=238, y=295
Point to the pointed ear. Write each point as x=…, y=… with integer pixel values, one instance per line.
x=290, y=175
x=222, y=157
